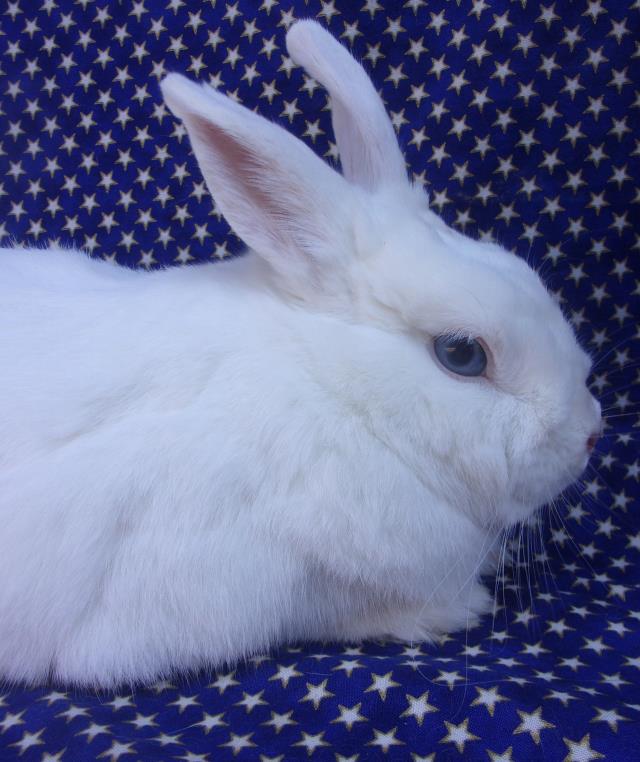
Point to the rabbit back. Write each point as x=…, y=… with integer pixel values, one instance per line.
x=122, y=431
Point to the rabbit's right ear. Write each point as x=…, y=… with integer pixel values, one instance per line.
x=280, y=198
x=367, y=143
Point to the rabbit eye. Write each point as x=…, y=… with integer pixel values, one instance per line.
x=466, y=357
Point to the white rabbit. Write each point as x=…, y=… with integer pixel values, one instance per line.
x=321, y=439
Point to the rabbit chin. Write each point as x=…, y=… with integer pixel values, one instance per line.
x=542, y=492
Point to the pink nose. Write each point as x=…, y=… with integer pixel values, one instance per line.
x=591, y=442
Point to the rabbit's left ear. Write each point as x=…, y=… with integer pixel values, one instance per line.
x=278, y=196
x=367, y=143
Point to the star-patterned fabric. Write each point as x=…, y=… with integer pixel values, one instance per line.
x=521, y=118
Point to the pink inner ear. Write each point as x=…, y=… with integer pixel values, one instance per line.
x=246, y=174
x=267, y=204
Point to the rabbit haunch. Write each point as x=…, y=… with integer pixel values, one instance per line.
x=199, y=464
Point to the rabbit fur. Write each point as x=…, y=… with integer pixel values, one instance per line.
x=198, y=464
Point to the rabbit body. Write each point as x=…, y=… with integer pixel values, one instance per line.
x=161, y=494
x=198, y=464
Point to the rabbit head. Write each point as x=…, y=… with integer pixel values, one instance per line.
x=451, y=350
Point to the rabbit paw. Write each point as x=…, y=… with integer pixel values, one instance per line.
x=424, y=622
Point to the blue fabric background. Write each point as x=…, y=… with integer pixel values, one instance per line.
x=522, y=119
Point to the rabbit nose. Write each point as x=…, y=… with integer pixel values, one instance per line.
x=593, y=439
x=596, y=433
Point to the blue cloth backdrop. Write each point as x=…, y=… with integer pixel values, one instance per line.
x=522, y=119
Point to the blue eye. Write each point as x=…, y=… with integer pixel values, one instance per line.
x=466, y=357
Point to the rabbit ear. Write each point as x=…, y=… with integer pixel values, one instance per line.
x=366, y=140
x=277, y=195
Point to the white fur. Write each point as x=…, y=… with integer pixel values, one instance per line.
x=200, y=463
